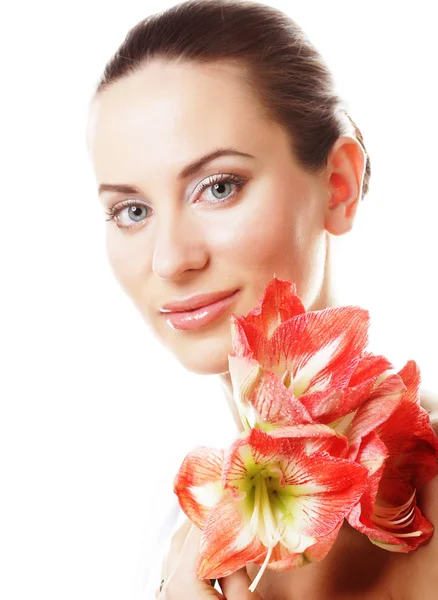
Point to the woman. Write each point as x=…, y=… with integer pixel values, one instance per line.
x=223, y=157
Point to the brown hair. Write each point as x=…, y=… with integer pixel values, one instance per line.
x=287, y=72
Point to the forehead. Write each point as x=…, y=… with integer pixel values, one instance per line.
x=168, y=113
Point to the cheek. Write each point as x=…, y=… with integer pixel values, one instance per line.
x=274, y=233
x=125, y=259
x=260, y=232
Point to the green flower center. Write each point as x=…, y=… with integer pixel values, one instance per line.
x=264, y=504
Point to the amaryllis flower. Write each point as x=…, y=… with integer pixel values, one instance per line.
x=400, y=451
x=277, y=499
x=290, y=366
x=331, y=431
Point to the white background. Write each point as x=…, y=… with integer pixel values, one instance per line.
x=95, y=415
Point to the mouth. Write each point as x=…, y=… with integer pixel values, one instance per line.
x=195, y=301
x=201, y=316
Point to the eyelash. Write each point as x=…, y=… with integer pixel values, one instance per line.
x=114, y=211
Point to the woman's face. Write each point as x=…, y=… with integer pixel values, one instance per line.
x=178, y=239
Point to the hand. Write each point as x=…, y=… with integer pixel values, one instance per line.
x=179, y=572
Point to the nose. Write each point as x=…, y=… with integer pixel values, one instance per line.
x=179, y=246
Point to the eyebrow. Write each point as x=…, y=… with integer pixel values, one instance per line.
x=187, y=171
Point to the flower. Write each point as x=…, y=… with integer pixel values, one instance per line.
x=276, y=499
x=290, y=366
x=331, y=431
x=400, y=453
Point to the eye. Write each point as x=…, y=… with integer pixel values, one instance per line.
x=134, y=210
x=220, y=185
x=129, y=212
x=217, y=187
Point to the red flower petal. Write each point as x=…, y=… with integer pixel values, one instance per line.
x=249, y=342
x=380, y=404
x=321, y=349
x=278, y=304
x=283, y=560
x=198, y=483
x=227, y=544
x=271, y=400
x=318, y=490
x=399, y=527
x=388, y=513
x=369, y=367
x=410, y=374
x=407, y=433
x=372, y=455
x=342, y=402
x=412, y=444
x=316, y=438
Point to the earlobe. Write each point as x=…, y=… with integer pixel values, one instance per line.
x=339, y=220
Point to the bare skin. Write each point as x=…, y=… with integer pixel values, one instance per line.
x=142, y=131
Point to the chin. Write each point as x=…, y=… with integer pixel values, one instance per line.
x=204, y=366
x=204, y=352
x=205, y=357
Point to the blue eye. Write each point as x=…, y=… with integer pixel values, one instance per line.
x=136, y=210
x=217, y=183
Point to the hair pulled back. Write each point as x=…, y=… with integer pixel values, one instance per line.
x=279, y=63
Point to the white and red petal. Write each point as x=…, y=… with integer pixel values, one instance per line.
x=250, y=342
x=421, y=531
x=318, y=490
x=198, y=483
x=321, y=349
x=411, y=441
x=283, y=559
x=227, y=543
x=278, y=304
x=411, y=376
x=370, y=366
x=391, y=534
x=387, y=512
x=372, y=455
x=316, y=438
x=321, y=493
x=272, y=402
x=380, y=404
x=342, y=402
x=256, y=448
x=244, y=373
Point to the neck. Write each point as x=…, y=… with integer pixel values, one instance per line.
x=225, y=380
x=325, y=298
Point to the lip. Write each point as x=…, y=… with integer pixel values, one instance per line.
x=197, y=301
x=194, y=319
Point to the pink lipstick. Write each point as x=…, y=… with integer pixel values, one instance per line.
x=199, y=317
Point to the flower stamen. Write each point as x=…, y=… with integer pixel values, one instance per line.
x=396, y=517
x=275, y=539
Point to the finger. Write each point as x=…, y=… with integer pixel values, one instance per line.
x=235, y=586
x=190, y=552
x=174, y=553
x=185, y=575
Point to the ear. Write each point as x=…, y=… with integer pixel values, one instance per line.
x=345, y=173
